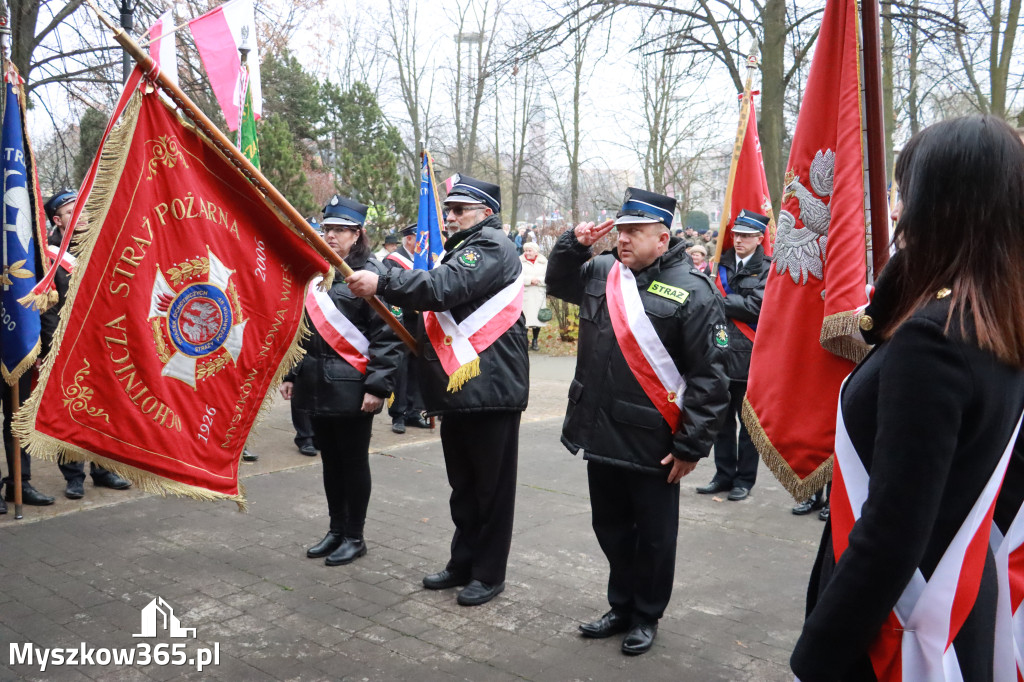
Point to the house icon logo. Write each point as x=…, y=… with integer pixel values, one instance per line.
x=158, y=616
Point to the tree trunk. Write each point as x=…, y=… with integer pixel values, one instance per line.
x=888, y=110
x=772, y=123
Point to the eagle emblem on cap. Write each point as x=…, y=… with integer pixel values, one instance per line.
x=196, y=318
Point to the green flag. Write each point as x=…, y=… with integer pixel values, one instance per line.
x=247, y=142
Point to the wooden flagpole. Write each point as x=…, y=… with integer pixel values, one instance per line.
x=874, y=121
x=741, y=133
x=155, y=75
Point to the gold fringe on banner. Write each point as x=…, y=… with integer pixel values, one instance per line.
x=26, y=364
x=463, y=374
x=840, y=335
x=800, y=488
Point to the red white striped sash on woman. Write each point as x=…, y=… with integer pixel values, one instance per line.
x=1009, y=554
x=645, y=354
x=915, y=644
x=458, y=345
x=336, y=329
x=67, y=261
x=400, y=259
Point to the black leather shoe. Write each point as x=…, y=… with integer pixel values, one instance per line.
x=3, y=506
x=330, y=543
x=398, y=426
x=29, y=495
x=442, y=580
x=534, y=346
x=249, y=456
x=714, y=487
x=738, y=493
x=477, y=593
x=609, y=624
x=639, y=639
x=75, y=489
x=813, y=503
x=823, y=514
x=349, y=550
x=308, y=450
x=419, y=421
x=110, y=480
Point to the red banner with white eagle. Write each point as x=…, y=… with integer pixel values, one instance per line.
x=804, y=347
x=183, y=311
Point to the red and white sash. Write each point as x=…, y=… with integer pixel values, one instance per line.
x=1009, y=554
x=646, y=355
x=915, y=644
x=337, y=330
x=400, y=259
x=67, y=261
x=458, y=345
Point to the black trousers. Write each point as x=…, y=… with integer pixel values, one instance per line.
x=481, y=455
x=303, y=426
x=407, y=390
x=636, y=519
x=735, y=459
x=344, y=444
x=7, y=396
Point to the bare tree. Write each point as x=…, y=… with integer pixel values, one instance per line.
x=525, y=109
x=478, y=33
x=414, y=75
x=987, y=64
x=720, y=30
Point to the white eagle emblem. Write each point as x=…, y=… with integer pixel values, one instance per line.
x=196, y=318
x=802, y=250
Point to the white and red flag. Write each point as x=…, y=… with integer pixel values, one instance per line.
x=162, y=46
x=218, y=35
x=804, y=347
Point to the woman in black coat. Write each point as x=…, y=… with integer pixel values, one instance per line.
x=929, y=414
x=342, y=392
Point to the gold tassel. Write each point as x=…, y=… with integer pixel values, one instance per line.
x=800, y=488
x=463, y=374
x=840, y=335
x=40, y=302
x=391, y=400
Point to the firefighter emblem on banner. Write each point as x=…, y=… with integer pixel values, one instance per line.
x=197, y=319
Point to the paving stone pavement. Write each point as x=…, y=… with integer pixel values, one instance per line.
x=81, y=571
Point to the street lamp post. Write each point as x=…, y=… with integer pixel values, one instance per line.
x=127, y=23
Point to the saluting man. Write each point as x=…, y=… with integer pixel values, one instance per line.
x=647, y=399
x=474, y=370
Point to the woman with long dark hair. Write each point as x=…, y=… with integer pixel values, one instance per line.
x=926, y=423
x=343, y=380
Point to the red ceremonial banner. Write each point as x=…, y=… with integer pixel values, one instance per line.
x=750, y=185
x=804, y=347
x=183, y=312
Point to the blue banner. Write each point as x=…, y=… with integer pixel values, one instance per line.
x=19, y=326
x=429, y=244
